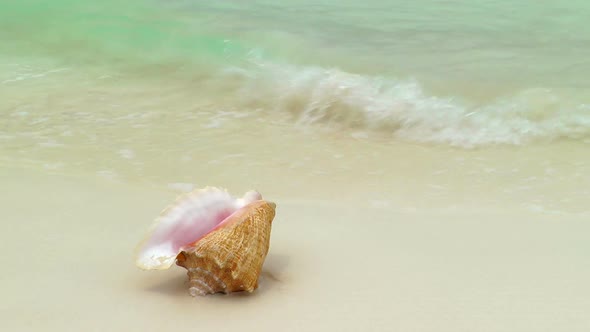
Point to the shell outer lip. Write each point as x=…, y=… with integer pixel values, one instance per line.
x=149, y=252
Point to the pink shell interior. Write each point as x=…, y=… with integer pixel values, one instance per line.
x=189, y=219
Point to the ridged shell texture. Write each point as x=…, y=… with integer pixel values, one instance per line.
x=230, y=258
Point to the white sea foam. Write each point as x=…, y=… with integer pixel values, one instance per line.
x=126, y=153
x=316, y=95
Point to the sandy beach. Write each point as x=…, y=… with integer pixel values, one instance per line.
x=429, y=161
x=331, y=266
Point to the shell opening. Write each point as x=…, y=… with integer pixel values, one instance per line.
x=190, y=218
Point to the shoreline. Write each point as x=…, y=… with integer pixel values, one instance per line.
x=550, y=179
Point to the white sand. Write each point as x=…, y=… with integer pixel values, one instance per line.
x=68, y=266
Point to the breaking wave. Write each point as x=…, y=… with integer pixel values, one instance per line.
x=156, y=41
x=319, y=96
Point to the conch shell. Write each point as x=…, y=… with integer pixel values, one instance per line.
x=222, y=241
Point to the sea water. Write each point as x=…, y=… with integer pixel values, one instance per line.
x=394, y=102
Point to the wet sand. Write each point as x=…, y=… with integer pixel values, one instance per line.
x=68, y=266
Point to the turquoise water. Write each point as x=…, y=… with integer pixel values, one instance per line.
x=464, y=73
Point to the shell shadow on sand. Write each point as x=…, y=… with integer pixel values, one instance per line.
x=270, y=278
